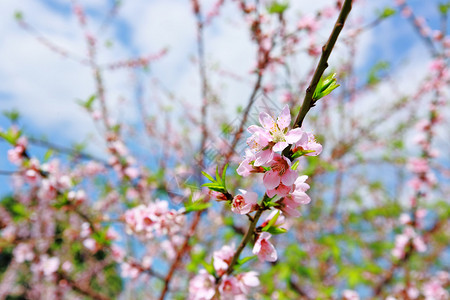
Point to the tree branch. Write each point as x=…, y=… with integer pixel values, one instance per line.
x=308, y=102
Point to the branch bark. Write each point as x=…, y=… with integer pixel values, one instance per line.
x=308, y=102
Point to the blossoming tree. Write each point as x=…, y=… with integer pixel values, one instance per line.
x=335, y=195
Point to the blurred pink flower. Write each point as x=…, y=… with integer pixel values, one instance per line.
x=264, y=249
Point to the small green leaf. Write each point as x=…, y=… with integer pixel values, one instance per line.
x=12, y=115
x=224, y=173
x=325, y=86
x=387, y=12
x=295, y=165
x=47, y=155
x=208, y=176
x=18, y=15
x=11, y=136
x=208, y=267
x=277, y=7
x=88, y=103
x=245, y=259
x=443, y=8
x=271, y=222
x=301, y=153
x=196, y=206
x=276, y=230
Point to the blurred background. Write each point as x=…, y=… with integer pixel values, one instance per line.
x=132, y=99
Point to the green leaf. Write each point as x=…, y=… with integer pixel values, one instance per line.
x=208, y=176
x=13, y=115
x=386, y=12
x=325, y=86
x=11, y=136
x=276, y=230
x=277, y=7
x=47, y=155
x=245, y=259
x=374, y=73
x=300, y=153
x=224, y=173
x=444, y=8
x=18, y=15
x=208, y=267
x=88, y=103
x=295, y=165
x=196, y=206
x=272, y=221
x=217, y=184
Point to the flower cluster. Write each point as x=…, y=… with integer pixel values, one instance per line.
x=154, y=218
x=273, y=151
x=203, y=285
x=267, y=155
x=409, y=236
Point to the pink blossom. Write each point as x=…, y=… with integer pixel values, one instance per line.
x=246, y=167
x=154, y=218
x=244, y=202
x=350, y=295
x=202, y=286
x=129, y=271
x=131, y=172
x=309, y=23
x=413, y=292
x=67, y=266
x=419, y=244
x=418, y=165
x=308, y=142
x=280, y=173
x=31, y=175
x=15, y=155
x=264, y=249
x=222, y=258
x=296, y=198
x=46, y=265
x=404, y=218
x=23, y=252
x=91, y=245
x=281, y=190
x=272, y=136
x=248, y=281
x=280, y=219
x=117, y=253
x=434, y=290
x=229, y=288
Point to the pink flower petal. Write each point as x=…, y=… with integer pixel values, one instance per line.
x=271, y=180
x=295, y=135
x=284, y=119
x=289, y=177
x=263, y=157
x=267, y=122
x=280, y=146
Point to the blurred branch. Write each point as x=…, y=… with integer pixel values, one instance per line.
x=183, y=249
x=245, y=240
x=67, y=150
x=425, y=38
x=82, y=289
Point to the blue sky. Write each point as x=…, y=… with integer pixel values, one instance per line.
x=43, y=86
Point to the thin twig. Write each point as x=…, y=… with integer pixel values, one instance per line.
x=308, y=102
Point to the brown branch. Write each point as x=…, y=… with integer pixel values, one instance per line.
x=180, y=254
x=390, y=273
x=308, y=101
x=245, y=240
x=83, y=289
